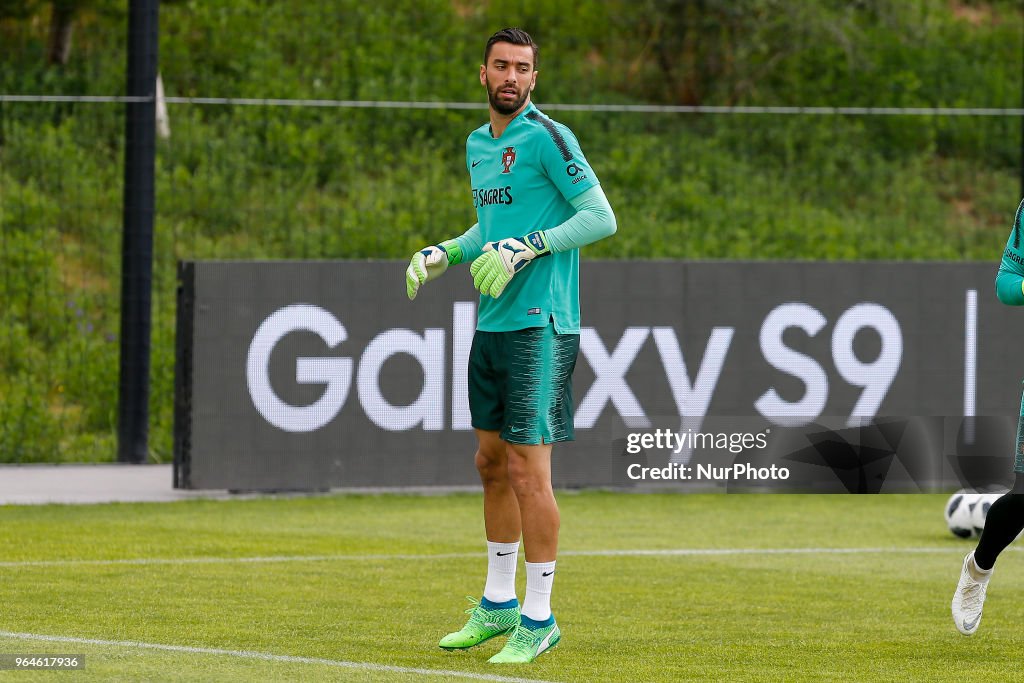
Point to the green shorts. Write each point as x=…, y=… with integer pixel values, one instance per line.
x=520, y=383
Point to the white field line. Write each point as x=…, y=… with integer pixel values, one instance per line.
x=659, y=552
x=265, y=656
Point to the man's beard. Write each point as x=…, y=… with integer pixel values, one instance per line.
x=500, y=106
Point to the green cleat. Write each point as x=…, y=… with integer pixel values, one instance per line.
x=486, y=620
x=528, y=641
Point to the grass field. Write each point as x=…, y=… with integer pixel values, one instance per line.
x=360, y=588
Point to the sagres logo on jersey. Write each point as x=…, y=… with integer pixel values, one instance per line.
x=508, y=157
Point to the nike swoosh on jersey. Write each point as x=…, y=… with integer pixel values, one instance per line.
x=476, y=162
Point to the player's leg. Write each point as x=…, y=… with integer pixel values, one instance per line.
x=1004, y=522
x=498, y=610
x=540, y=413
x=501, y=510
x=487, y=385
x=529, y=469
x=502, y=522
x=529, y=473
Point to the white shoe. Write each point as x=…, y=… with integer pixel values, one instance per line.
x=968, y=599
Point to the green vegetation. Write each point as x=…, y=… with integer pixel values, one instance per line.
x=877, y=612
x=291, y=182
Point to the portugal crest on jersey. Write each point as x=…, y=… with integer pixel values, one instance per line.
x=508, y=157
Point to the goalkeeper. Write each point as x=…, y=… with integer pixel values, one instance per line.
x=537, y=202
x=1006, y=517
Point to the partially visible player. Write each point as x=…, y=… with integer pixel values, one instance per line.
x=1006, y=516
x=537, y=201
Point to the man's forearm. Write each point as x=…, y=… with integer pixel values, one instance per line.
x=593, y=221
x=471, y=243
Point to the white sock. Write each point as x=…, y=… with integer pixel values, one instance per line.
x=977, y=573
x=539, y=577
x=501, y=571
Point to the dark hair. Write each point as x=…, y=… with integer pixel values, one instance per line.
x=516, y=36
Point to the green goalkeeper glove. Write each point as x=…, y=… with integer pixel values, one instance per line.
x=429, y=264
x=501, y=260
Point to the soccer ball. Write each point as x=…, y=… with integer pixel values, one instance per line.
x=959, y=513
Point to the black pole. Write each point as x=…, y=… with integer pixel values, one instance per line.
x=137, y=246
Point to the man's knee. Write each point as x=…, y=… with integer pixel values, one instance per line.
x=491, y=469
x=491, y=459
x=528, y=471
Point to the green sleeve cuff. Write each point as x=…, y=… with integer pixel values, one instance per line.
x=453, y=250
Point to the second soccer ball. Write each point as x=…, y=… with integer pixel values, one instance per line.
x=959, y=513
